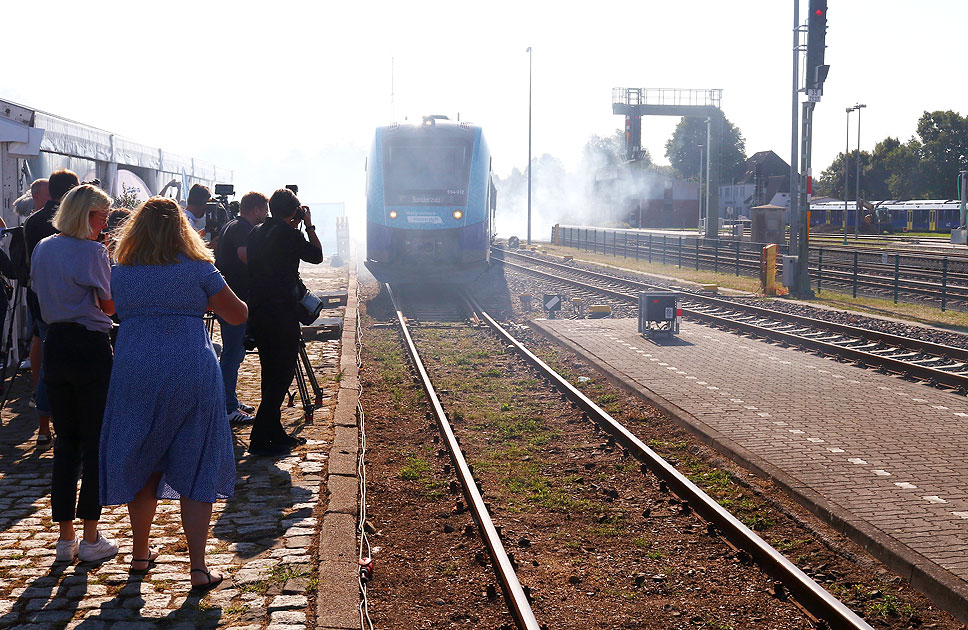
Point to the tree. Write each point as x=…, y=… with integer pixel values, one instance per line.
x=682, y=149
x=944, y=151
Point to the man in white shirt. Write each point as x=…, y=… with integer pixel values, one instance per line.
x=198, y=196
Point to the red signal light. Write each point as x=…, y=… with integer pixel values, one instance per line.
x=819, y=12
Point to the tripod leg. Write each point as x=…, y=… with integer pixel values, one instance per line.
x=307, y=364
x=303, y=391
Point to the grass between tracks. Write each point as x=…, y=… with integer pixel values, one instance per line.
x=916, y=313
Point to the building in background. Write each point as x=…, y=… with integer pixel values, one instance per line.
x=641, y=197
x=765, y=182
x=33, y=144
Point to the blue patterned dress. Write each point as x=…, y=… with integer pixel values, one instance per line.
x=166, y=407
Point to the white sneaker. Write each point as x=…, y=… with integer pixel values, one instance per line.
x=100, y=550
x=25, y=364
x=239, y=417
x=66, y=550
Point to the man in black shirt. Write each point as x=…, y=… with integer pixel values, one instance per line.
x=37, y=227
x=231, y=257
x=274, y=251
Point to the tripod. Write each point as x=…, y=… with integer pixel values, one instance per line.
x=8, y=345
x=306, y=379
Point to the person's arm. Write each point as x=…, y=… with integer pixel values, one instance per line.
x=227, y=305
x=107, y=306
x=311, y=251
x=243, y=254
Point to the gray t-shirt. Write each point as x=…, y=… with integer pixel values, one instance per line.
x=70, y=277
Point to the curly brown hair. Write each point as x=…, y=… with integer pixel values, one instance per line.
x=157, y=233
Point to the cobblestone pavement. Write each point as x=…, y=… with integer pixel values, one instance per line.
x=264, y=539
x=881, y=454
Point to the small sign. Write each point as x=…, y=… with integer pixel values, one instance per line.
x=813, y=98
x=883, y=259
x=552, y=303
x=669, y=312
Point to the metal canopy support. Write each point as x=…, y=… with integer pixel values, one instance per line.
x=633, y=103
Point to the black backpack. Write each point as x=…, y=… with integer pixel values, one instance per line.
x=16, y=266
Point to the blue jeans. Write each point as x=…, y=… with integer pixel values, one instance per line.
x=233, y=352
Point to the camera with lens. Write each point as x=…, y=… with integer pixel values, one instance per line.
x=218, y=210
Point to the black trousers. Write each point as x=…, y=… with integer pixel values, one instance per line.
x=275, y=328
x=77, y=370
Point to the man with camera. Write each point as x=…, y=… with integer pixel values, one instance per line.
x=198, y=196
x=274, y=251
x=231, y=257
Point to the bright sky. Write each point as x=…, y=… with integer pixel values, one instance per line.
x=290, y=91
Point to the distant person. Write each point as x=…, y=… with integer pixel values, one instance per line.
x=198, y=196
x=274, y=251
x=165, y=434
x=70, y=274
x=231, y=257
x=37, y=227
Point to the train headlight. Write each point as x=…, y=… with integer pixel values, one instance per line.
x=458, y=214
x=393, y=214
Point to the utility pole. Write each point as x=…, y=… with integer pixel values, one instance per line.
x=700, y=189
x=794, y=134
x=846, y=170
x=816, y=73
x=529, y=144
x=858, y=107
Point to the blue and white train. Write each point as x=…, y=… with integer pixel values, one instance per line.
x=430, y=203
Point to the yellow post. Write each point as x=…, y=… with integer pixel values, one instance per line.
x=768, y=269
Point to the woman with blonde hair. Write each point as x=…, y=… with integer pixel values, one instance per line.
x=166, y=435
x=70, y=273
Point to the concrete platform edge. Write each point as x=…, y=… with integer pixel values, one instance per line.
x=940, y=586
x=338, y=593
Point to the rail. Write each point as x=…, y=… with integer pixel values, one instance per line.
x=810, y=594
x=514, y=595
x=955, y=380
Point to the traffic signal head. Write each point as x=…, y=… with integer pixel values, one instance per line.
x=816, y=36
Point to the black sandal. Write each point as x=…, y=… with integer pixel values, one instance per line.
x=210, y=584
x=150, y=560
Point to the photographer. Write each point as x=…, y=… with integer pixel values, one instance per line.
x=274, y=251
x=231, y=257
x=198, y=196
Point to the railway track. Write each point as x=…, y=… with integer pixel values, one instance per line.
x=824, y=610
x=936, y=278
x=936, y=364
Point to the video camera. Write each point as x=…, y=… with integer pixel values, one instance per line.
x=218, y=210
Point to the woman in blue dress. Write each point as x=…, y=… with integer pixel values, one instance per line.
x=165, y=432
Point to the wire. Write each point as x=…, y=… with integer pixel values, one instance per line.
x=363, y=546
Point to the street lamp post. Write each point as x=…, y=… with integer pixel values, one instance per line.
x=858, y=107
x=700, y=189
x=529, y=144
x=846, y=161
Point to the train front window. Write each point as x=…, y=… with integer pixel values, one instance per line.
x=417, y=174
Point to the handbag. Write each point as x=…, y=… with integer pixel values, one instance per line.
x=308, y=308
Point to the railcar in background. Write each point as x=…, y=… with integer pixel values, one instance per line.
x=430, y=203
x=914, y=215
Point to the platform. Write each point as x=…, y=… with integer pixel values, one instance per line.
x=881, y=458
x=285, y=542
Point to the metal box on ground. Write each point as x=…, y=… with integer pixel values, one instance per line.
x=323, y=329
x=659, y=313
x=769, y=224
